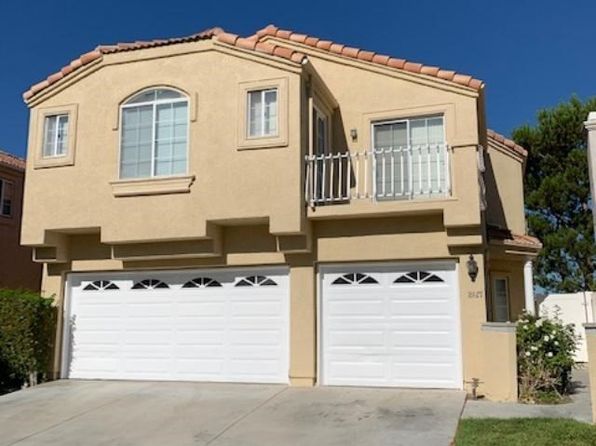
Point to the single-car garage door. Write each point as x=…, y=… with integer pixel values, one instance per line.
x=218, y=325
x=391, y=325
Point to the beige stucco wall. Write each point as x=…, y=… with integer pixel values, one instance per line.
x=229, y=183
x=375, y=94
x=246, y=198
x=499, y=379
x=591, y=347
x=505, y=189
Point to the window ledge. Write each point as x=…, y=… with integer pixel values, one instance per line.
x=152, y=186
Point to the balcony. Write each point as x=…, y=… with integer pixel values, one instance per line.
x=402, y=173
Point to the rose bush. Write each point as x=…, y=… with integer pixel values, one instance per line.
x=545, y=348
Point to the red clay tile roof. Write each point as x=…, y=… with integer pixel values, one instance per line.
x=8, y=159
x=509, y=143
x=369, y=56
x=139, y=45
x=262, y=47
x=217, y=33
x=509, y=238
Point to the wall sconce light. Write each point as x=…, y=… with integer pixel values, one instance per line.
x=354, y=134
x=472, y=268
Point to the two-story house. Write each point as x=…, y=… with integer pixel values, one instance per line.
x=276, y=208
x=17, y=269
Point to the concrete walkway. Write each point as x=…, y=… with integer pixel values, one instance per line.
x=89, y=413
x=579, y=408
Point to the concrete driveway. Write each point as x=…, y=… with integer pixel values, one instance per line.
x=123, y=413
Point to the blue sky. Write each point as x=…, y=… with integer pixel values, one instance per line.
x=531, y=53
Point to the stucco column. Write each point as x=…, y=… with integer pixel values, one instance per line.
x=303, y=346
x=52, y=286
x=499, y=377
x=591, y=127
x=591, y=347
x=529, y=287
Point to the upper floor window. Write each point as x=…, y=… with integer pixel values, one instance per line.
x=262, y=113
x=6, y=196
x=55, y=135
x=154, y=139
x=410, y=158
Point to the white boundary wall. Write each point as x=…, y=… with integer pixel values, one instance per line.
x=578, y=309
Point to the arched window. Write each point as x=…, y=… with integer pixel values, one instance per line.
x=149, y=284
x=256, y=281
x=201, y=282
x=418, y=277
x=99, y=285
x=154, y=135
x=354, y=279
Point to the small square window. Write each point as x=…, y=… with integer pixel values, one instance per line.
x=6, y=196
x=262, y=113
x=55, y=136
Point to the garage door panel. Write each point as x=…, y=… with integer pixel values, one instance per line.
x=421, y=308
x=192, y=336
x=87, y=366
x=344, y=371
x=96, y=323
x=255, y=308
x=424, y=372
x=201, y=308
x=420, y=339
x=401, y=330
x=255, y=337
x=215, y=333
x=246, y=352
x=357, y=338
x=95, y=337
x=423, y=356
x=199, y=368
x=355, y=307
x=98, y=310
x=146, y=309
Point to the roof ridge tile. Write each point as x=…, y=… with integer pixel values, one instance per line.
x=11, y=160
x=509, y=143
x=249, y=43
x=100, y=50
x=370, y=56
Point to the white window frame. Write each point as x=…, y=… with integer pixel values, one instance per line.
x=373, y=124
x=54, y=152
x=494, y=295
x=154, y=103
x=3, y=184
x=262, y=133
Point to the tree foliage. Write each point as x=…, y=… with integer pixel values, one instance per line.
x=557, y=196
x=27, y=328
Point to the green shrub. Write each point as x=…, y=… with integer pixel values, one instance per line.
x=27, y=329
x=545, y=348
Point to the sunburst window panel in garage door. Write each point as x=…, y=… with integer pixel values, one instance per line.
x=395, y=333
x=172, y=332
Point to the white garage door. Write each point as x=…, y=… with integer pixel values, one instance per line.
x=193, y=325
x=392, y=325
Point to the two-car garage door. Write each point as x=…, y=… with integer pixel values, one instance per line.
x=391, y=325
x=218, y=325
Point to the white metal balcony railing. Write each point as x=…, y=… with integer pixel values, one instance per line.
x=382, y=174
